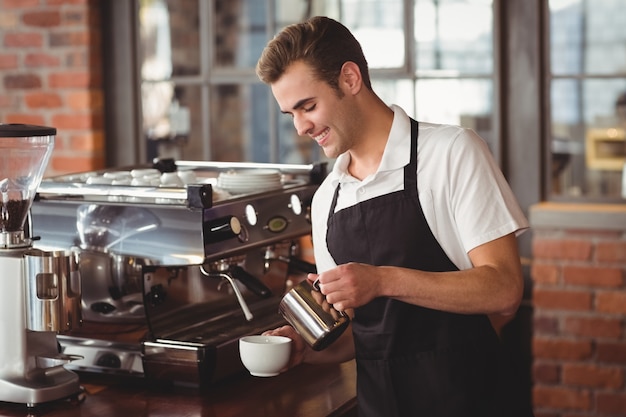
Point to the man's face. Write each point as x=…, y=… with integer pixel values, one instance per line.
x=316, y=109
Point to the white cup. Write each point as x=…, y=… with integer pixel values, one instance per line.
x=145, y=172
x=100, y=180
x=264, y=355
x=171, y=179
x=187, y=177
x=118, y=175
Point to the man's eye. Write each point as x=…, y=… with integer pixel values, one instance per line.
x=308, y=109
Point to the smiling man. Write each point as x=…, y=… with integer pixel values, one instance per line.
x=414, y=234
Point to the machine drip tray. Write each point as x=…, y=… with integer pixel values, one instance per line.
x=112, y=348
x=102, y=356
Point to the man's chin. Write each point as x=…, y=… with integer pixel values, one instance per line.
x=330, y=152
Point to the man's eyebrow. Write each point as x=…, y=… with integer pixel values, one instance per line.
x=299, y=104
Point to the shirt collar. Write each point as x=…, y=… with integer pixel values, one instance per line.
x=396, y=154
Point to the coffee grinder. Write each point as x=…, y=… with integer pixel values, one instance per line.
x=39, y=289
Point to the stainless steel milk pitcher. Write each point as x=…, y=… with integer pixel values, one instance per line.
x=317, y=321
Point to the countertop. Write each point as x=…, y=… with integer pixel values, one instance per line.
x=305, y=391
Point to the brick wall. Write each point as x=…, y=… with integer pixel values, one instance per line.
x=51, y=75
x=579, y=336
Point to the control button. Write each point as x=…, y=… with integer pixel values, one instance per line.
x=295, y=204
x=251, y=215
x=277, y=224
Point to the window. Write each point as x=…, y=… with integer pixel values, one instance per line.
x=201, y=99
x=587, y=97
x=454, y=56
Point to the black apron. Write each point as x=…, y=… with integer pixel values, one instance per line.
x=412, y=361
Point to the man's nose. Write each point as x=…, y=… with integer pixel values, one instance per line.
x=302, y=124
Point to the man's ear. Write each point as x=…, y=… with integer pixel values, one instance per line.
x=350, y=79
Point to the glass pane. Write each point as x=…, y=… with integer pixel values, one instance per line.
x=587, y=37
x=169, y=41
x=172, y=121
x=240, y=32
x=565, y=36
x=398, y=92
x=588, y=148
x=465, y=102
x=454, y=35
x=239, y=128
x=186, y=117
x=379, y=27
x=289, y=11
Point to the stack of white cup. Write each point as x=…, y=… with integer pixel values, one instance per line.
x=145, y=177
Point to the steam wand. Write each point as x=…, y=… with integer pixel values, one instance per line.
x=227, y=277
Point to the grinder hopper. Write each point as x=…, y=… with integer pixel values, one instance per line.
x=24, y=154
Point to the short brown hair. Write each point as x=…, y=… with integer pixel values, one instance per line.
x=320, y=42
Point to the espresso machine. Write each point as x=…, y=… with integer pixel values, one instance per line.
x=178, y=259
x=39, y=289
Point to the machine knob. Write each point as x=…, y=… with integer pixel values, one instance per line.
x=222, y=229
x=102, y=307
x=109, y=360
x=156, y=296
